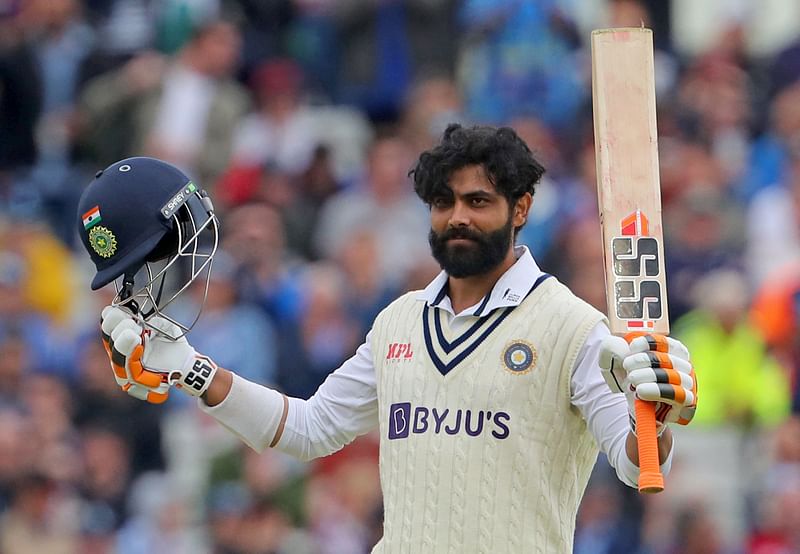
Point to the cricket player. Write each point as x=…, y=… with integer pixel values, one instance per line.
x=493, y=388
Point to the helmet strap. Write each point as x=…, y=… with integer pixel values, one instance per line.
x=157, y=299
x=127, y=290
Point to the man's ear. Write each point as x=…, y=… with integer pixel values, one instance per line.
x=521, y=209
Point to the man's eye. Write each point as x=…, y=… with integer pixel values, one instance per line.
x=479, y=201
x=440, y=202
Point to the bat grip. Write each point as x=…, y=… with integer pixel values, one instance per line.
x=650, y=478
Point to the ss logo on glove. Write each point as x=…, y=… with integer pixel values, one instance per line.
x=199, y=374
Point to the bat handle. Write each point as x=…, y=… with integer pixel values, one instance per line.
x=650, y=478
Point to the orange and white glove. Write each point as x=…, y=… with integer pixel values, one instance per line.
x=150, y=362
x=123, y=341
x=655, y=368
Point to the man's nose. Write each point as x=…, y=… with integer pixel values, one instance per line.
x=460, y=216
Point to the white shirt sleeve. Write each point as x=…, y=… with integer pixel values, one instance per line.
x=605, y=412
x=344, y=407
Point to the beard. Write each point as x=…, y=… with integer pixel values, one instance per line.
x=485, y=253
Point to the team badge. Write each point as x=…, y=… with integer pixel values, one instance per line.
x=519, y=357
x=103, y=241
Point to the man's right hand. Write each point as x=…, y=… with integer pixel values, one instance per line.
x=123, y=339
x=146, y=362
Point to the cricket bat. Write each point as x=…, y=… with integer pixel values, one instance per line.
x=629, y=200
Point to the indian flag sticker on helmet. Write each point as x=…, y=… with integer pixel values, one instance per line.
x=91, y=217
x=103, y=241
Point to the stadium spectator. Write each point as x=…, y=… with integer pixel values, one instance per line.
x=41, y=518
x=746, y=385
x=20, y=107
x=776, y=314
x=498, y=84
x=385, y=204
x=182, y=109
x=773, y=223
x=281, y=130
x=386, y=46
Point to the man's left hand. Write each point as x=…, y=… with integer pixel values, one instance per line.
x=655, y=368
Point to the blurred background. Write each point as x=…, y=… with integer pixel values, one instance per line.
x=302, y=118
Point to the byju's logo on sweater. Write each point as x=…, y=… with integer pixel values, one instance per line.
x=399, y=351
x=405, y=420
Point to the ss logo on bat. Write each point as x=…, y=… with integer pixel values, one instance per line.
x=637, y=259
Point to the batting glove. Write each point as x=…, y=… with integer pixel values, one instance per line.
x=655, y=368
x=172, y=362
x=122, y=339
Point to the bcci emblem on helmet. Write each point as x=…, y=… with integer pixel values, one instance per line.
x=103, y=241
x=519, y=357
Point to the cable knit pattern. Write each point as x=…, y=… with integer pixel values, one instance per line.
x=433, y=479
x=461, y=504
x=486, y=455
x=490, y=472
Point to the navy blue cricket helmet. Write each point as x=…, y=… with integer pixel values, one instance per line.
x=139, y=218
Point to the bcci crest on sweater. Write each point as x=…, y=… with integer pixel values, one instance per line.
x=405, y=421
x=519, y=357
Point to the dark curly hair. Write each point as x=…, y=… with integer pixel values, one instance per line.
x=508, y=161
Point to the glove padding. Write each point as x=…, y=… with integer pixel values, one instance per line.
x=123, y=342
x=151, y=359
x=655, y=368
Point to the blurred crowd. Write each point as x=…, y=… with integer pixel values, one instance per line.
x=302, y=119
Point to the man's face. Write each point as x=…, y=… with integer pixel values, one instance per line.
x=472, y=226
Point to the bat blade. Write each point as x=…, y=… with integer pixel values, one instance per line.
x=629, y=194
x=629, y=200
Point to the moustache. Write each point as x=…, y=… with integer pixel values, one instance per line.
x=460, y=234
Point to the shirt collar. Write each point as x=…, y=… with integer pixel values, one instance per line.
x=510, y=289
